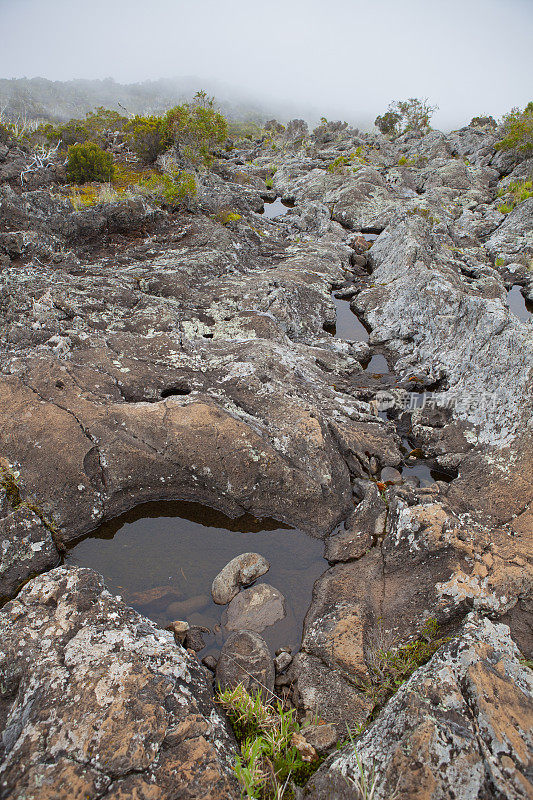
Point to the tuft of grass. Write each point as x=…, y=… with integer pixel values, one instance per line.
x=226, y=216
x=270, y=762
x=365, y=783
x=390, y=667
x=338, y=166
x=517, y=192
x=425, y=214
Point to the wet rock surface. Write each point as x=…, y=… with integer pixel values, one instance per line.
x=255, y=609
x=119, y=708
x=183, y=358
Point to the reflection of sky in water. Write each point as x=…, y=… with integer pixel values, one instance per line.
x=519, y=305
x=348, y=325
x=275, y=209
x=162, y=558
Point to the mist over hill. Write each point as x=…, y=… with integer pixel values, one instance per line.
x=59, y=101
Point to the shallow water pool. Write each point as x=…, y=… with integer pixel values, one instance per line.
x=162, y=558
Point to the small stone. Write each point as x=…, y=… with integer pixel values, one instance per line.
x=391, y=475
x=240, y=571
x=283, y=650
x=194, y=639
x=413, y=481
x=179, y=628
x=306, y=750
x=282, y=661
x=373, y=465
x=210, y=662
x=321, y=737
x=255, y=609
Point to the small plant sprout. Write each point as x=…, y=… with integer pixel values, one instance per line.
x=364, y=782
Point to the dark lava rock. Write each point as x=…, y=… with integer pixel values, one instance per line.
x=245, y=658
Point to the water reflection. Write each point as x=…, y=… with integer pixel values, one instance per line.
x=162, y=558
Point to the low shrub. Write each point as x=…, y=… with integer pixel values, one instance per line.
x=87, y=162
x=96, y=127
x=338, y=166
x=226, y=215
x=518, y=129
x=389, y=667
x=483, y=122
x=413, y=114
x=148, y=137
x=517, y=192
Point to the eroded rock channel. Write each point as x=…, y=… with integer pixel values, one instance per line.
x=347, y=386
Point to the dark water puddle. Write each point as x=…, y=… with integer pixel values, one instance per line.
x=378, y=365
x=426, y=471
x=276, y=208
x=518, y=304
x=162, y=558
x=347, y=325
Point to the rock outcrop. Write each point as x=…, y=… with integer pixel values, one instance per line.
x=149, y=354
x=97, y=702
x=460, y=727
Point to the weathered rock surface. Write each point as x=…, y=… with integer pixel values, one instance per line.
x=245, y=658
x=26, y=547
x=151, y=355
x=255, y=609
x=240, y=571
x=97, y=702
x=460, y=727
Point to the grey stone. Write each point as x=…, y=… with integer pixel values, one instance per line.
x=391, y=475
x=255, y=609
x=321, y=736
x=282, y=661
x=240, y=571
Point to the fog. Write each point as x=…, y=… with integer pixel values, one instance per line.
x=341, y=58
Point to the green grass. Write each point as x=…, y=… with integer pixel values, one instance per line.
x=270, y=762
x=392, y=666
x=517, y=192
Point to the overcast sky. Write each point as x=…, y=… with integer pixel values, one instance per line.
x=347, y=57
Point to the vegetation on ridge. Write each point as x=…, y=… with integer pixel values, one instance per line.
x=273, y=755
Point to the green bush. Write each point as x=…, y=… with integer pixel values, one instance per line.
x=147, y=137
x=413, y=114
x=196, y=128
x=88, y=162
x=483, y=122
x=388, y=123
x=94, y=128
x=518, y=129
x=178, y=188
